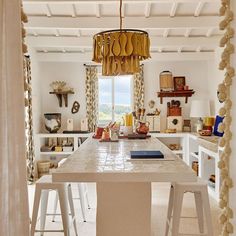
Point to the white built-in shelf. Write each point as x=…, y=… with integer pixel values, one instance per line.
x=55, y=153
x=177, y=151
x=62, y=135
x=169, y=135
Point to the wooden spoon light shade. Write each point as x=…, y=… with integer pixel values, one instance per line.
x=120, y=51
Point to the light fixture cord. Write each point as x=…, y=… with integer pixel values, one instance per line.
x=120, y=14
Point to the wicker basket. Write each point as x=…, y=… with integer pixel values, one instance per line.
x=166, y=81
x=43, y=168
x=195, y=166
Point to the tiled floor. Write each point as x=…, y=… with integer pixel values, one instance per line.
x=159, y=205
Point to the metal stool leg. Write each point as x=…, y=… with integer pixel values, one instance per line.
x=63, y=199
x=82, y=202
x=70, y=198
x=199, y=209
x=178, y=201
x=207, y=211
x=44, y=204
x=170, y=210
x=35, y=210
x=55, y=207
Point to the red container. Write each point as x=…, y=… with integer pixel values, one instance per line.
x=175, y=111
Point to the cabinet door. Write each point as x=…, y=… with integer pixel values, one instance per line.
x=151, y=123
x=157, y=123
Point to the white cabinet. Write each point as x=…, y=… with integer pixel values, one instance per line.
x=207, y=162
x=193, y=150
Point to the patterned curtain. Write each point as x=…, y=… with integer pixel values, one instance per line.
x=91, y=96
x=30, y=156
x=139, y=89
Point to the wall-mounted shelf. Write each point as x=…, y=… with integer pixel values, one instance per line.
x=184, y=93
x=61, y=95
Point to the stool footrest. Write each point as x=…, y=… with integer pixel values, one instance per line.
x=193, y=234
x=49, y=230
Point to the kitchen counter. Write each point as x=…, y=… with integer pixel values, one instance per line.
x=123, y=185
x=98, y=161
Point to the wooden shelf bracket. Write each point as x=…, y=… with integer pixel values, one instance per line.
x=184, y=93
x=61, y=95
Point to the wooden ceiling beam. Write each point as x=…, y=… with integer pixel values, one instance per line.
x=129, y=22
x=113, y=1
x=52, y=41
x=84, y=57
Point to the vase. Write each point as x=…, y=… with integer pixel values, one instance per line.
x=52, y=122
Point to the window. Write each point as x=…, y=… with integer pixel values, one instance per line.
x=115, y=98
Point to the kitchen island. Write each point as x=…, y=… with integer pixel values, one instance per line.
x=123, y=185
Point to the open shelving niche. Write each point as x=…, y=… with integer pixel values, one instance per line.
x=191, y=151
x=54, y=156
x=207, y=163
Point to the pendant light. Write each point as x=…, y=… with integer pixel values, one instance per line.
x=121, y=50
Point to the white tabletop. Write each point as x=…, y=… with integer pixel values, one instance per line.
x=96, y=161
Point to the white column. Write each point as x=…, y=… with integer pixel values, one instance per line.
x=14, y=213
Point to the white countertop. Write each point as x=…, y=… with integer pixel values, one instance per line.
x=96, y=161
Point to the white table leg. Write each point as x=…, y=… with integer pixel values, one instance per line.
x=123, y=209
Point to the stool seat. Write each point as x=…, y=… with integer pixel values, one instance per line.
x=42, y=188
x=46, y=179
x=200, y=191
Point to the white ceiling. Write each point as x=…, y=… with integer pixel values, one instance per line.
x=175, y=26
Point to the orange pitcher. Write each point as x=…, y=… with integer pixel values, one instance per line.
x=143, y=128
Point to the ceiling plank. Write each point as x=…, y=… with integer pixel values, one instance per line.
x=129, y=22
x=52, y=41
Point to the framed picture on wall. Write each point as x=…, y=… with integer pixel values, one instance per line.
x=179, y=82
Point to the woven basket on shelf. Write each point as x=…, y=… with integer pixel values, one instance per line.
x=43, y=168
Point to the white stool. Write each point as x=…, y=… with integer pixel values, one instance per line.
x=83, y=194
x=42, y=188
x=175, y=206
